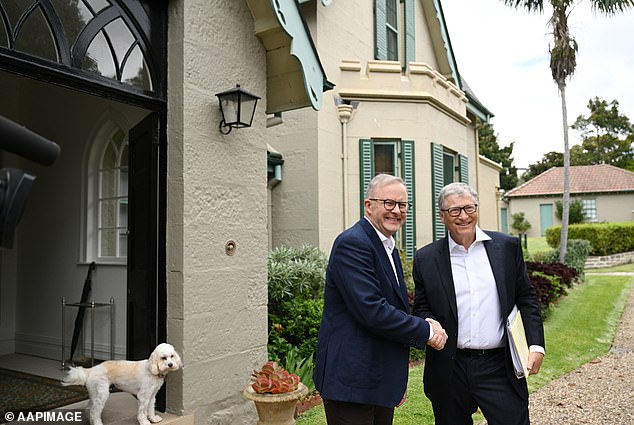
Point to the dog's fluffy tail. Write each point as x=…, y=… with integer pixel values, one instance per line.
x=75, y=376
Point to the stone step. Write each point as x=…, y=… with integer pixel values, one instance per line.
x=121, y=409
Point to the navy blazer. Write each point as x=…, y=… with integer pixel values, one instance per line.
x=366, y=329
x=436, y=298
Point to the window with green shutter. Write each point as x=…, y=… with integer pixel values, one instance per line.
x=443, y=172
x=394, y=26
x=395, y=157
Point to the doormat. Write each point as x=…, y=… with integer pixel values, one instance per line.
x=21, y=392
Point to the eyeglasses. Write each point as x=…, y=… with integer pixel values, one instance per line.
x=390, y=204
x=455, y=211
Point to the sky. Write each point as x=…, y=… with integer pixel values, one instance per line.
x=503, y=55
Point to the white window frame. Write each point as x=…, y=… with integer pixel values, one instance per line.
x=589, y=209
x=118, y=197
x=91, y=228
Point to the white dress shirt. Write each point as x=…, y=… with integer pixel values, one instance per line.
x=388, y=244
x=480, y=322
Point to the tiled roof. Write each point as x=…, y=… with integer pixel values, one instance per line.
x=583, y=179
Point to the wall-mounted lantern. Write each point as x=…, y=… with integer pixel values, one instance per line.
x=237, y=107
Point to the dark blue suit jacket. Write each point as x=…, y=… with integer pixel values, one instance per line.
x=366, y=329
x=436, y=298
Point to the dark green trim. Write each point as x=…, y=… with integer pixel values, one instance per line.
x=366, y=168
x=410, y=33
x=380, y=30
x=408, y=175
x=437, y=183
x=463, y=164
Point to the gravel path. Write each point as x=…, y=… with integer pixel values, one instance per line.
x=598, y=393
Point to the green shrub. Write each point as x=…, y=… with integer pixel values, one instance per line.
x=296, y=272
x=298, y=324
x=548, y=289
x=296, y=278
x=551, y=281
x=604, y=238
x=576, y=255
x=575, y=213
x=520, y=224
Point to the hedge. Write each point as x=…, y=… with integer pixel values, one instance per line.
x=604, y=238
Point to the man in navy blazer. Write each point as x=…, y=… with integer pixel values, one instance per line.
x=366, y=330
x=470, y=281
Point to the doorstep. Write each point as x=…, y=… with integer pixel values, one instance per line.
x=121, y=409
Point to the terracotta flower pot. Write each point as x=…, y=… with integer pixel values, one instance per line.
x=276, y=409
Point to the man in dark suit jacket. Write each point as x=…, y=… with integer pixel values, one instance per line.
x=470, y=281
x=366, y=330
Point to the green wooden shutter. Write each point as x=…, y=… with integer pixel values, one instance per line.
x=380, y=30
x=437, y=182
x=407, y=166
x=410, y=33
x=463, y=162
x=366, y=167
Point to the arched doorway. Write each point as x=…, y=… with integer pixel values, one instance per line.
x=86, y=74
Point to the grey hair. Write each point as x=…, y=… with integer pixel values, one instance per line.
x=456, y=188
x=381, y=180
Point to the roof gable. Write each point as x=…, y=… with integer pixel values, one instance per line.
x=583, y=179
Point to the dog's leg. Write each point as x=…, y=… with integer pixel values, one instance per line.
x=145, y=400
x=151, y=413
x=98, y=395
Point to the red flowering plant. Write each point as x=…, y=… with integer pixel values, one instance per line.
x=274, y=379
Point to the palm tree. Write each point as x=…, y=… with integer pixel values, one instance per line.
x=563, y=61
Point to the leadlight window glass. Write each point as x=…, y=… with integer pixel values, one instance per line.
x=64, y=31
x=4, y=37
x=39, y=41
x=113, y=198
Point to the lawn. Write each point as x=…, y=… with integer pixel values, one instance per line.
x=537, y=244
x=580, y=329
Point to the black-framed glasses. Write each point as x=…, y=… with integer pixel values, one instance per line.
x=390, y=204
x=455, y=211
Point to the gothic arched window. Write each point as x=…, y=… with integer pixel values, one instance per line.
x=112, y=201
x=106, y=38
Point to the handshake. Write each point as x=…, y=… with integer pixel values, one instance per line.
x=438, y=340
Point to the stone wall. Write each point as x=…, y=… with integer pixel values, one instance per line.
x=609, y=260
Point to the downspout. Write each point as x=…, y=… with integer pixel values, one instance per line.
x=274, y=181
x=345, y=115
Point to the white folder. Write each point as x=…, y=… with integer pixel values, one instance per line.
x=517, y=343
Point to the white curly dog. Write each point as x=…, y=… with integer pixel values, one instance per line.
x=142, y=378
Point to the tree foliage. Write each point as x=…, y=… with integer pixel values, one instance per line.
x=607, y=138
x=490, y=148
x=606, y=135
x=548, y=161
